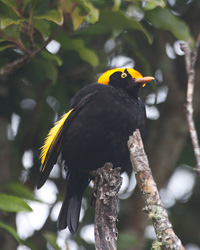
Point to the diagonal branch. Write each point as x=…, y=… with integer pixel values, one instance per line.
x=18, y=63
x=167, y=239
x=11, y=67
x=190, y=60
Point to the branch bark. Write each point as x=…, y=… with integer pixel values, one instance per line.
x=190, y=60
x=11, y=67
x=167, y=239
x=107, y=184
x=163, y=151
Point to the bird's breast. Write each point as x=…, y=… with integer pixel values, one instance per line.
x=100, y=131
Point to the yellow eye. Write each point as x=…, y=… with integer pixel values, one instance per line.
x=123, y=75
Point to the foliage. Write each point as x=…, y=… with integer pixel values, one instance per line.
x=10, y=230
x=13, y=204
x=37, y=80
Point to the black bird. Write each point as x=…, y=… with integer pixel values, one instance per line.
x=95, y=130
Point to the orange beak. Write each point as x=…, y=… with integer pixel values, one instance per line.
x=144, y=80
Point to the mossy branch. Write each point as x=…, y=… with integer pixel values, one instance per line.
x=167, y=239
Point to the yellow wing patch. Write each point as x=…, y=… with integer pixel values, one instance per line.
x=104, y=78
x=51, y=137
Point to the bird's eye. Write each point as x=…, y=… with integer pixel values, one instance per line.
x=123, y=75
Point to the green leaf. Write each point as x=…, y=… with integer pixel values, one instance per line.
x=51, y=238
x=117, y=4
x=6, y=11
x=118, y=20
x=13, y=31
x=125, y=241
x=11, y=230
x=114, y=20
x=70, y=44
x=77, y=19
x=11, y=203
x=93, y=15
x=2, y=40
x=5, y=22
x=89, y=56
x=86, y=54
x=25, y=2
x=47, y=55
x=67, y=5
x=42, y=70
x=21, y=190
x=150, y=6
x=164, y=19
x=6, y=47
x=160, y=3
x=85, y=11
x=152, y=3
x=50, y=71
x=55, y=16
x=10, y=3
x=43, y=26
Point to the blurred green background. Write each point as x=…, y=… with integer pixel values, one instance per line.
x=51, y=49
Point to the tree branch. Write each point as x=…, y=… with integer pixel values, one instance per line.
x=11, y=67
x=190, y=60
x=107, y=184
x=18, y=63
x=154, y=207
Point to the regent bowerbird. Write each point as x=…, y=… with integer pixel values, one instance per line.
x=94, y=131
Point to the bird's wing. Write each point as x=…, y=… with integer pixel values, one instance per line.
x=53, y=142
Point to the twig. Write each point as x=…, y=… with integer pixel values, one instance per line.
x=11, y=67
x=16, y=43
x=167, y=240
x=107, y=182
x=190, y=60
x=18, y=63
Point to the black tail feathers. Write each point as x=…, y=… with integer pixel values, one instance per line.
x=70, y=210
x=69, y=214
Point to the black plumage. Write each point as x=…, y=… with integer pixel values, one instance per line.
x=96, y=131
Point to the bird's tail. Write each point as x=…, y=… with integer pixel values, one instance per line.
x=70, y=210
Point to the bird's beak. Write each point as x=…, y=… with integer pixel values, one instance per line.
x=144, y=80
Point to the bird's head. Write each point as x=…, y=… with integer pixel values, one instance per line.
x=128, y=79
